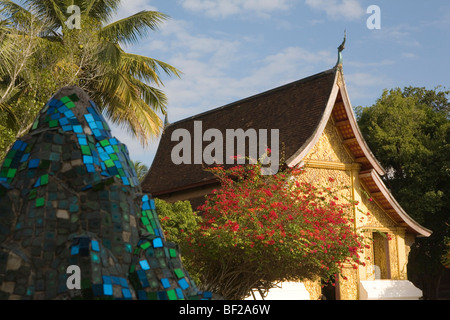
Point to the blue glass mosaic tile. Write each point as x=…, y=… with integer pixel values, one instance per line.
x=95, y=246
x=108, y=289
x=183, y=284
x=144, y=265
x=165, y=282
x=157, y=243
x=34, y=163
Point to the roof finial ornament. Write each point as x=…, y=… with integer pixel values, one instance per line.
x=340, y=49
x=166, y=120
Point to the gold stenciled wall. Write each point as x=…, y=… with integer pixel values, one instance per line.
x=330, y=159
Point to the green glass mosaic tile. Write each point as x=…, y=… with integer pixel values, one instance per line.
x=65, y=99
x=179, y=273
x=104, y=143
x=40, y=202
x=11, y=173
x=145, y=221
x=86, y=150
x=70, y=105
x=53, y=123
x=44, y=179
x=7, y=162
x=35, y=125
x=172, y=295
x=145, y=245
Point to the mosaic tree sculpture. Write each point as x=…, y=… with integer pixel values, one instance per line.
x=69, y=196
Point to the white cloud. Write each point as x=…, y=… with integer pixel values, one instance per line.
x=225, y=8
x=365, y=64
x=211, y=68
x=203, y=60
x=365, y=86
x=361, y=79
x=212, y=74
x=402, y=34
x=409, y=55
x=338, y=9
x=206, y=85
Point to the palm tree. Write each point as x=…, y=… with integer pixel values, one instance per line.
x=124, y=85
x=141, y=170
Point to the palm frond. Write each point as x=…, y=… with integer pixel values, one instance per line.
x=49, y=10
x=127, y=105
x=12, y=121
x=14, y=12
x=110, y=53
x=102, y=10
x=129, y=30
x=153, y=98
x=145, y=68
x=141, y=170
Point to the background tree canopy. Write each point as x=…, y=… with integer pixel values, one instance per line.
x=409, y=132
x=39, y=54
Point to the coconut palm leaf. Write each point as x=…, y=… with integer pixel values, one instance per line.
x=12, y=120
x=129, y=30
x=145, y=68
x=15, y=12
x=141, y=169
x=126, y=100
x=101, y=10
x=51, y=10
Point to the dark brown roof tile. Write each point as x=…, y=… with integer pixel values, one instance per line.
x=295, y=109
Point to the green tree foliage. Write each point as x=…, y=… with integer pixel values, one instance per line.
x=141, y=170
x=446, y=256
x=40, y=53
x=409, y=132
x=178, y=222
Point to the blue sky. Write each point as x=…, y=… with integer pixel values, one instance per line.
x=232, y=49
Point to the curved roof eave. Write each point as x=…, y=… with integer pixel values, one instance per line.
x=298, y=156
x=410, y=222
x=355, y=128
x=338, y=87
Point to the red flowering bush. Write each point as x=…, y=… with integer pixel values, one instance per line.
x=257, y=230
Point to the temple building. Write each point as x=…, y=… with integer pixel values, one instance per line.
x=317, y=130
